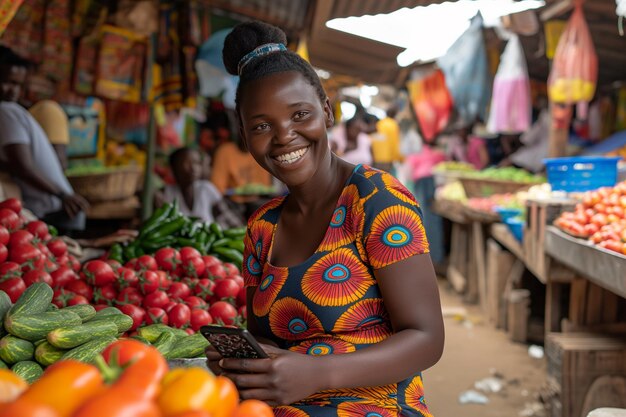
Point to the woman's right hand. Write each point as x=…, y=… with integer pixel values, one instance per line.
x=213, y=358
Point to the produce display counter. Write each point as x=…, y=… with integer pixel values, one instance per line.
x=602, y=267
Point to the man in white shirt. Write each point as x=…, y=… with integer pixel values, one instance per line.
x=27, y=155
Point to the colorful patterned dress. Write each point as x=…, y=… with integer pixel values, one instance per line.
x=331, y=303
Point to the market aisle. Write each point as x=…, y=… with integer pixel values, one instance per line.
x=474, y=348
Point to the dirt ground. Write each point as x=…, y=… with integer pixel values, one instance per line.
x=476, y=350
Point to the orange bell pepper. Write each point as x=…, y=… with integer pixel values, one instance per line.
x=228, y=397
x=11, y=386
x=22, y=408
x=64, y=387
x=189, y=389
x=135, y=372
x=135, y=366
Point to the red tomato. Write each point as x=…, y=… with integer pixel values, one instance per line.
x=223, y=312
x=169, y=306
x=188, y=252
x=13, y=204
x=74, y=263
x=156, y=315
x=63, y=276
x=242, y=296
x=226, y=289
x=99, y=273
x=156, y=299
x=136, y=313
x=168, y=259
x=114, y=264
x=76, y=300
x=81, y=288
x=14, y=287
x=591, y=229
x=190, y=331
x=179, y=291
x=195, y=302
x=230, y=269
x=105, y=295
x=9, y=219
x=37, y=275
x=126, y=277
x=57, y=247
x=210, y=260
x=22, y=254
x=614, y=245
x=216, y=272
x=4, y=253
x=179, y=316
x=10, y=269
x=99, y=307
x=164, y=280
x=5, y=236
x=193, y=267
x=38, y=228
x=149, y=282
x=238, y=279
x=21, y=237
x=132, y=264
x=243, y=311
x=146, y=262
x=204, y=289
x=200, y=318
x=130, y=295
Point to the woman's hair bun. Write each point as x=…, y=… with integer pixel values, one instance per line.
x=246, y=37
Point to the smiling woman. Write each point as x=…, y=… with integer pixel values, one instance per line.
x=337, y=271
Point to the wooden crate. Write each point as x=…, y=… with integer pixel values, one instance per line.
x=539, y=214
x=583, y=369
x=499, y=265
x=518, y=311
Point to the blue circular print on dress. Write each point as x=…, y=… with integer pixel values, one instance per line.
x=397, y=236
x=319, y=349
x=253, y=265
x=337, y=273
x=297, y=325
x=267, y=281
x=339, y=216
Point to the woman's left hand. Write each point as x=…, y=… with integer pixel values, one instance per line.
x=284, y=378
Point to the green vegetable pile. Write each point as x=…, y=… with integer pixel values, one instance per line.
x=168, y=227
x=506, y=174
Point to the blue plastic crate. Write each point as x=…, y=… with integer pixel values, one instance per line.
x=581, y=173
x=516, y=226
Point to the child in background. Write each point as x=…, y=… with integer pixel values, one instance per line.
x=196, y=196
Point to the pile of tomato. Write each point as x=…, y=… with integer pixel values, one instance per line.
x=180, y=288
x=599, y=217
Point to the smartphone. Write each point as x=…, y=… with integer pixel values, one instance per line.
x=233, y=342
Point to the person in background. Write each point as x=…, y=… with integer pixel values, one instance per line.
x=337, y=271
x=350, y=142
x=27, y=155
x=464, y=146
x=53, y=120
x=196, y=196
x=386, y=145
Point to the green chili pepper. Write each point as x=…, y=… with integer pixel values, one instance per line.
x=221, y=242
x=217, y=230
x=235, y=232
x=160, y=215
x=209, y=243
x=230, y=255
x=167, y=229
x=235, y=244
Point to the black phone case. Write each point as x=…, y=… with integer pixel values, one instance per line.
x=233, y=342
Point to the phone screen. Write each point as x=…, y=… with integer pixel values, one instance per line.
x=233, y=343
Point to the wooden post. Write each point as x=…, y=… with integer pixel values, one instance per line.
x=147, y=195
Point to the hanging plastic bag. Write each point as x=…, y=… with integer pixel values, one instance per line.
x=621, y=12
x=467, y=73
x=510, y=102
x=575, y=66
x=553, y=30
x=432, y=103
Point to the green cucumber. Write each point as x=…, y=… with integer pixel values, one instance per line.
x=34, y=300
x=152, y=332
x=236, y=244
x=38, y=326
x=165, y=342
x=29, y=371
x=216, y=229
x=107, y=311
x=52, y=307
x=89, y=351
x=13, y=349
x=46, y=354
x=5, y=306
x=85, y=311
x=229, y=255
x=68, y=337
x=141, y=339
x=3, y=365
x=188, y=347
x=122, y=321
